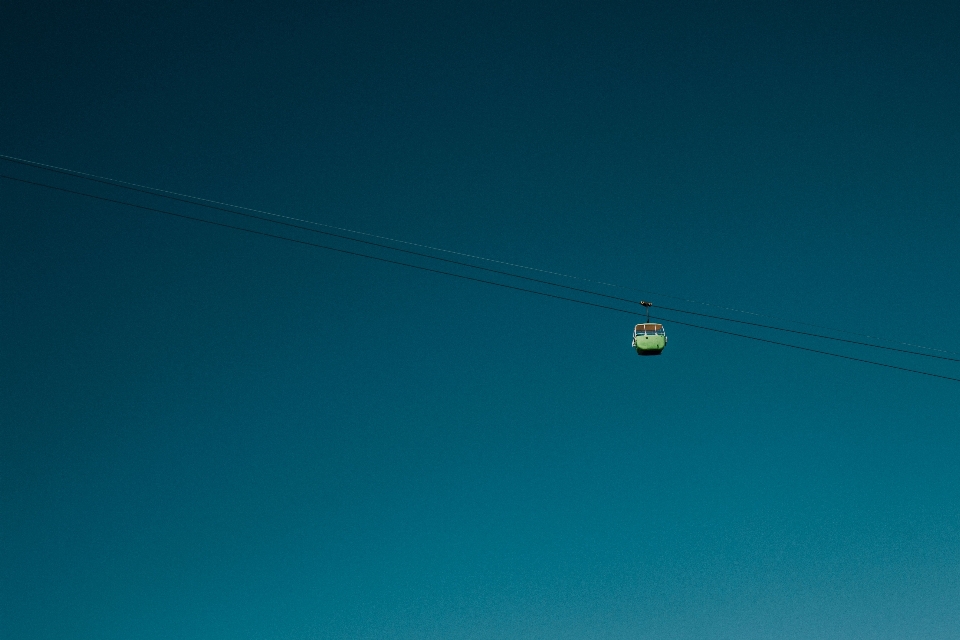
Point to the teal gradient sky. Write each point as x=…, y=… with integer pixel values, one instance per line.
x=206, y=434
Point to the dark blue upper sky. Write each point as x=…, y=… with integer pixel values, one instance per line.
x=207, y=434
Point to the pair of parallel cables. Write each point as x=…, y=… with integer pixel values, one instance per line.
x=338, y=232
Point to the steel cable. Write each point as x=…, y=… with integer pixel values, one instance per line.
x=473, y=279
x=231, y=208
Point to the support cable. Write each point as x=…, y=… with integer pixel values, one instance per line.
x=527, y=278
x=473, y=279
x=214, y=204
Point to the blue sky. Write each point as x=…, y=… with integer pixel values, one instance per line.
x=206, y=434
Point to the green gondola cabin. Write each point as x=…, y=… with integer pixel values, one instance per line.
x=649, y=339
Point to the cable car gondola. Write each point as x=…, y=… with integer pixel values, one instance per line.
x=649, y=338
